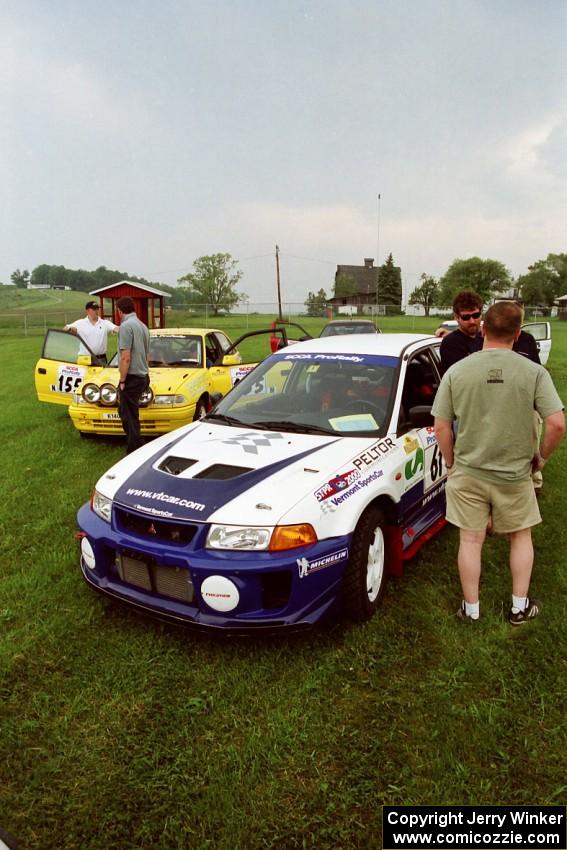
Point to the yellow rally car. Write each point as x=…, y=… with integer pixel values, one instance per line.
x=189, y=367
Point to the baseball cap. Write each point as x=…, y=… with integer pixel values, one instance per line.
x=94, y=304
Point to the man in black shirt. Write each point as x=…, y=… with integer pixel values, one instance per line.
x=467, y=338
x=526, y=345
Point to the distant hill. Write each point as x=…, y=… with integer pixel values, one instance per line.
x=13, y=300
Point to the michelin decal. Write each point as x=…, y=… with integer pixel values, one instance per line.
x=306, y=566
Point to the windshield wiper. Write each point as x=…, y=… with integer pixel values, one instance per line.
x=288, y=425
x=228, y=420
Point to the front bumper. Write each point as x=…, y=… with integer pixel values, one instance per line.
x=274, y=591
x=95, y=419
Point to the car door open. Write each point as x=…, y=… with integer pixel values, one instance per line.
x=61, y=369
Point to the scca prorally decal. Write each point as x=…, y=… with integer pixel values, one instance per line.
x=306, y=567
x=336, y=484
x=250, y=442
x=165, y=497
x=375, y=453
x=349, y=358
x=430, y=438
x=359, y=485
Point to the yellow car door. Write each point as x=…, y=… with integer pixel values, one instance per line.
x=60, y=371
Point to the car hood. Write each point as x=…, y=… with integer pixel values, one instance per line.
x=162, y=379
x=227, y=474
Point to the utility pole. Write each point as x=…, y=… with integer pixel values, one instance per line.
x=378, y=255
x=378, y=236
x=278, y=282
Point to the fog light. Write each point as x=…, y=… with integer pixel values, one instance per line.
x=88, y=554
x=220, y=593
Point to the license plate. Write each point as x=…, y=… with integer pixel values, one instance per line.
x=112, y=416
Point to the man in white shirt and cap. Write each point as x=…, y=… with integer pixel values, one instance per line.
x=93, y=331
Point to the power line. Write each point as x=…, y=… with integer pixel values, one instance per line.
x=309, y=259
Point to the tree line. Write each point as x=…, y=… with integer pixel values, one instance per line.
x=544, y=282
x=214, y=278
x=213, y=281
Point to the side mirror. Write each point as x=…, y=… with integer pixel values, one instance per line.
x=84, y=360
x=231, y=360
x=420, y=416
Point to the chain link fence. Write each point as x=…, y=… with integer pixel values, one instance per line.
x=244, y=317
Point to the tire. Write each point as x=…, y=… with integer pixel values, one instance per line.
x=365, y=574
x=200, y=410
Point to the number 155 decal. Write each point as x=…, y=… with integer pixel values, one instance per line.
x=69, y=379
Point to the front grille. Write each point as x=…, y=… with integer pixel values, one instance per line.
x=114, y=424
x=173, y=582
x=155, y=529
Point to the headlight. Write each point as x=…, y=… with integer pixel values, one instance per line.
x=91, y=393
x=108, y=395
x=102, y=506
x=146, y=397
x=238, y=537
x=170, y=399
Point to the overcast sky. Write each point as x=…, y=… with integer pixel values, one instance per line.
x=141, y=135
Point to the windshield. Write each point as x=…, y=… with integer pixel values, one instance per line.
x=340, y=329
x=314, y=393
x=185, y=350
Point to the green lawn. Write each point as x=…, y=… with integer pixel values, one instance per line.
x=120, y=732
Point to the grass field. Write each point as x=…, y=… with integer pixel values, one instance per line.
x=120, y=732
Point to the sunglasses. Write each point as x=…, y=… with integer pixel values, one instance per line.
x=467, y=316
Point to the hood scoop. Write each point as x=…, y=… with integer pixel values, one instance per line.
x=222, y=471
x=175, y=465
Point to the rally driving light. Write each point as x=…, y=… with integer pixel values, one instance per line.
x=91, y=393
x=146, y=397
x=108, y=395
x=102, y=506
x=279, y=539
x=170, y=399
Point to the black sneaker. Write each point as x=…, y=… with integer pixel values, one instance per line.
x=530, y=611
x=462, y=615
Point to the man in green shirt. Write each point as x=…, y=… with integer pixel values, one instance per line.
x=492, y=394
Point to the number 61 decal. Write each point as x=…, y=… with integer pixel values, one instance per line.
x=436, y=467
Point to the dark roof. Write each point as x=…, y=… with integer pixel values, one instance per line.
x=365, y=277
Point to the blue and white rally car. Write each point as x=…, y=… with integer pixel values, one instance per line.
x=315, y=477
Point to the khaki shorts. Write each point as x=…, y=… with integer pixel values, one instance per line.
x=470, y=501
